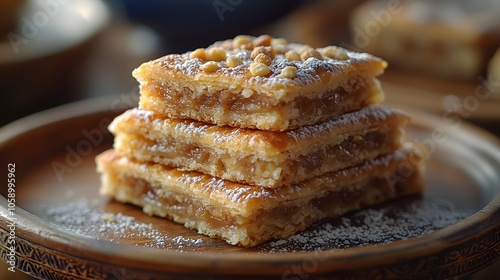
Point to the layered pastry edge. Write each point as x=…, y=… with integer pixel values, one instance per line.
x=263, y=158
x=247, y=215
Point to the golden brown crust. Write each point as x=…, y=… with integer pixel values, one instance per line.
x=254, y=138
x=228, y=81
x=264, y=158
x=247, y=215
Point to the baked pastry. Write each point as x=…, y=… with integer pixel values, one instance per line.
x=264, y=158
x=254, y=138
x=494, y=75
x=448, y=38
x=248, y=215
x=260, y=82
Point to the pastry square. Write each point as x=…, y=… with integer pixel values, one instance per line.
x=263, y=158
x=247, y=215
x=260, y=82
x=494, y=74
x=444, y=39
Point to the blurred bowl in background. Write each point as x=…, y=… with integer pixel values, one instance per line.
x=186, y=25
x=41, y=59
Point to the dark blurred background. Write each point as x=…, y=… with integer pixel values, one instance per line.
x=440, y=52
x=443, y=54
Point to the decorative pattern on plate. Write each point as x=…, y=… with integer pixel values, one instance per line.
x=463, y=257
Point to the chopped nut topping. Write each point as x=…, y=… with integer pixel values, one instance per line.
x=279, y=45
x=293, y=56
x=278, y=41
x=259, y=69
x=248, y=46
x=289, y=72
x=311, y=53
x=198, y=53
x=210, y=66
x=280, y=48
x=241, y=40
x=304, y=48
x=335, y=53
x=263, y=58
x=233, y=61
x=226, y=44
x=263, y=40
x=269, y=51
x=216, y=54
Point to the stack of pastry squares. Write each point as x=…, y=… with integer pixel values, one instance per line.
x=255, y=138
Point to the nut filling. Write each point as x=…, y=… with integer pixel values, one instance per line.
x=268, y=159
x=246, y=215
x=228, y=108
x=247, y=168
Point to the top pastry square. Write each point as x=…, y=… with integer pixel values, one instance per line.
x=260, y=82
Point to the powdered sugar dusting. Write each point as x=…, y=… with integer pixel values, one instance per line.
x=399, y=220
x=183, y=242
x=378, y=113
x=406, y=152
x=83, y=217
x=405, y=219
x=308, y=69
x=198, y=129
x=239, y=193
x=145, y=115
x=190, y=128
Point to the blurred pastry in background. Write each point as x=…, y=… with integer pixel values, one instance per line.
x=9, y=14
x=447, y=39
x=494, y=74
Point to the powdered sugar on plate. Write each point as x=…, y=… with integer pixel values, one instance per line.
x=399, y=220
x=84, y=217
x=405, y=219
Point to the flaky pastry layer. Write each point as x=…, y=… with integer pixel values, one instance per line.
x=294, y=85
x=263, y=158
x=247, y=215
